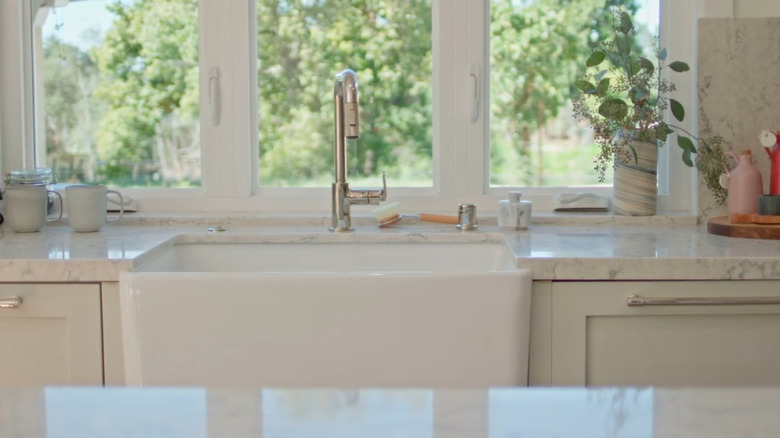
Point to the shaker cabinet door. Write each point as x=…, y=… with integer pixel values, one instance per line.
x=50, y=334
x=703, y=335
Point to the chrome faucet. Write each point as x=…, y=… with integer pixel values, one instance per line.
x=345, y=98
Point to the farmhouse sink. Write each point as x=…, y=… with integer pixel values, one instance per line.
x=324, y=311
x=322, y=257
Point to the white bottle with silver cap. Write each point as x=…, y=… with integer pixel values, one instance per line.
x=513, y=213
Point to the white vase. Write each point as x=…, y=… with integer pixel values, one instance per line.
x=635, y=186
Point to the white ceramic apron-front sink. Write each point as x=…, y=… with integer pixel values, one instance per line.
x=327, y=313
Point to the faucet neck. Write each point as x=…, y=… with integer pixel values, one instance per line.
x=340, y=147
x=347, y=118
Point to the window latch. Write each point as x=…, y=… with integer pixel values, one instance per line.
x=214, y=95
x=474, y=78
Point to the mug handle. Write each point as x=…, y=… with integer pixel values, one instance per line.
x=121, y=205
x=59, y=198
x=725, y=162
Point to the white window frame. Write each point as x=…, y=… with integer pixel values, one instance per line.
x=230, y=167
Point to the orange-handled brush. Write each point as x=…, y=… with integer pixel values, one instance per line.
x=389, y=214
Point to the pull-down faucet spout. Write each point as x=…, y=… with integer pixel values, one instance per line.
x=347, y=120
x=347, y=125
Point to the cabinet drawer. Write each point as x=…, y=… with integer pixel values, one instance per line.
x=600, y=340
x=50, y=334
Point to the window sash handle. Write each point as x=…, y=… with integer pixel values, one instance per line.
x=474, y=93
x=214, y=96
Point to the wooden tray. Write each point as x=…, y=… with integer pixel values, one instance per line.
x=722, y=227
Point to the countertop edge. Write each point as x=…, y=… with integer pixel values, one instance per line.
x=551, y=252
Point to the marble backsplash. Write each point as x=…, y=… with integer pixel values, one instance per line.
x=738, y=88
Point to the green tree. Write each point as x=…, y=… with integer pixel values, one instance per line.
x=149, y=85
x=70, y=77
x=537, y=48
x=149, y=68
x=302, y=45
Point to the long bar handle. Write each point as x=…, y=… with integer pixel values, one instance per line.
x=635, y=300
x=12, y=302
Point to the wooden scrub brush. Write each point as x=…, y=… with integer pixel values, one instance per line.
x=390, y=213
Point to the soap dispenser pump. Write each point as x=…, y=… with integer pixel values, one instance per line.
x=514, y=213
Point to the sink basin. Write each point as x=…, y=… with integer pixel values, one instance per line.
x=332, y=257
x=325, y=311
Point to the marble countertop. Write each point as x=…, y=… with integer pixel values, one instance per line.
x=595, y=250
x=345, y=413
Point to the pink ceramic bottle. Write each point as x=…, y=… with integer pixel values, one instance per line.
x=745, y=183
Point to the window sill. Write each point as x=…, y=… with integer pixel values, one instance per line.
x=248, y=219
x=312, y=206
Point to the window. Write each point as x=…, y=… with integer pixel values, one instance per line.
x=231, y=107
x=117, y=93
x=537, y=49
x=300, y=49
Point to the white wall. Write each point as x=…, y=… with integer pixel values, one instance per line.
x=756, y=8
x=739, y=8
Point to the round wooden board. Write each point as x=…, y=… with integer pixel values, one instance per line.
x=722, y=227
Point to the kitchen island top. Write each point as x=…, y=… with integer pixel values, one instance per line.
x=473, y=413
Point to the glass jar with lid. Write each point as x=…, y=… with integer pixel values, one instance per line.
x=36, y=176
x=39, y=176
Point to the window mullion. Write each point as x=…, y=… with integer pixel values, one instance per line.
x=477, y=149
x=16, y=110
x=678, y=35
x=227, y=45
x=443, y=96
x=459, y=146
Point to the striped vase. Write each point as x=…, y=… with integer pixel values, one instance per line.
x=635, y=187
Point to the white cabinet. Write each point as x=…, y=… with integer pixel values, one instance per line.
x=113, y=345
x=50, y=334
x=596, y=339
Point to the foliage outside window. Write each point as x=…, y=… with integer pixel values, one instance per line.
x=124, y=109
x=301, y=46
x=537, y=48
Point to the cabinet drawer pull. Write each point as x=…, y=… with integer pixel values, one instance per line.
x=635, y=300
x=12, y=302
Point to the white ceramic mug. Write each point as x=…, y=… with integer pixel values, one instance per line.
x=26, y=207
x=87, y=205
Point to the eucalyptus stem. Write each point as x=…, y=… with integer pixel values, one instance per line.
x=685, y=131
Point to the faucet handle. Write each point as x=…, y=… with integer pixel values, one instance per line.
x=368, y=196
x=376, y=196
x=383, y=192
